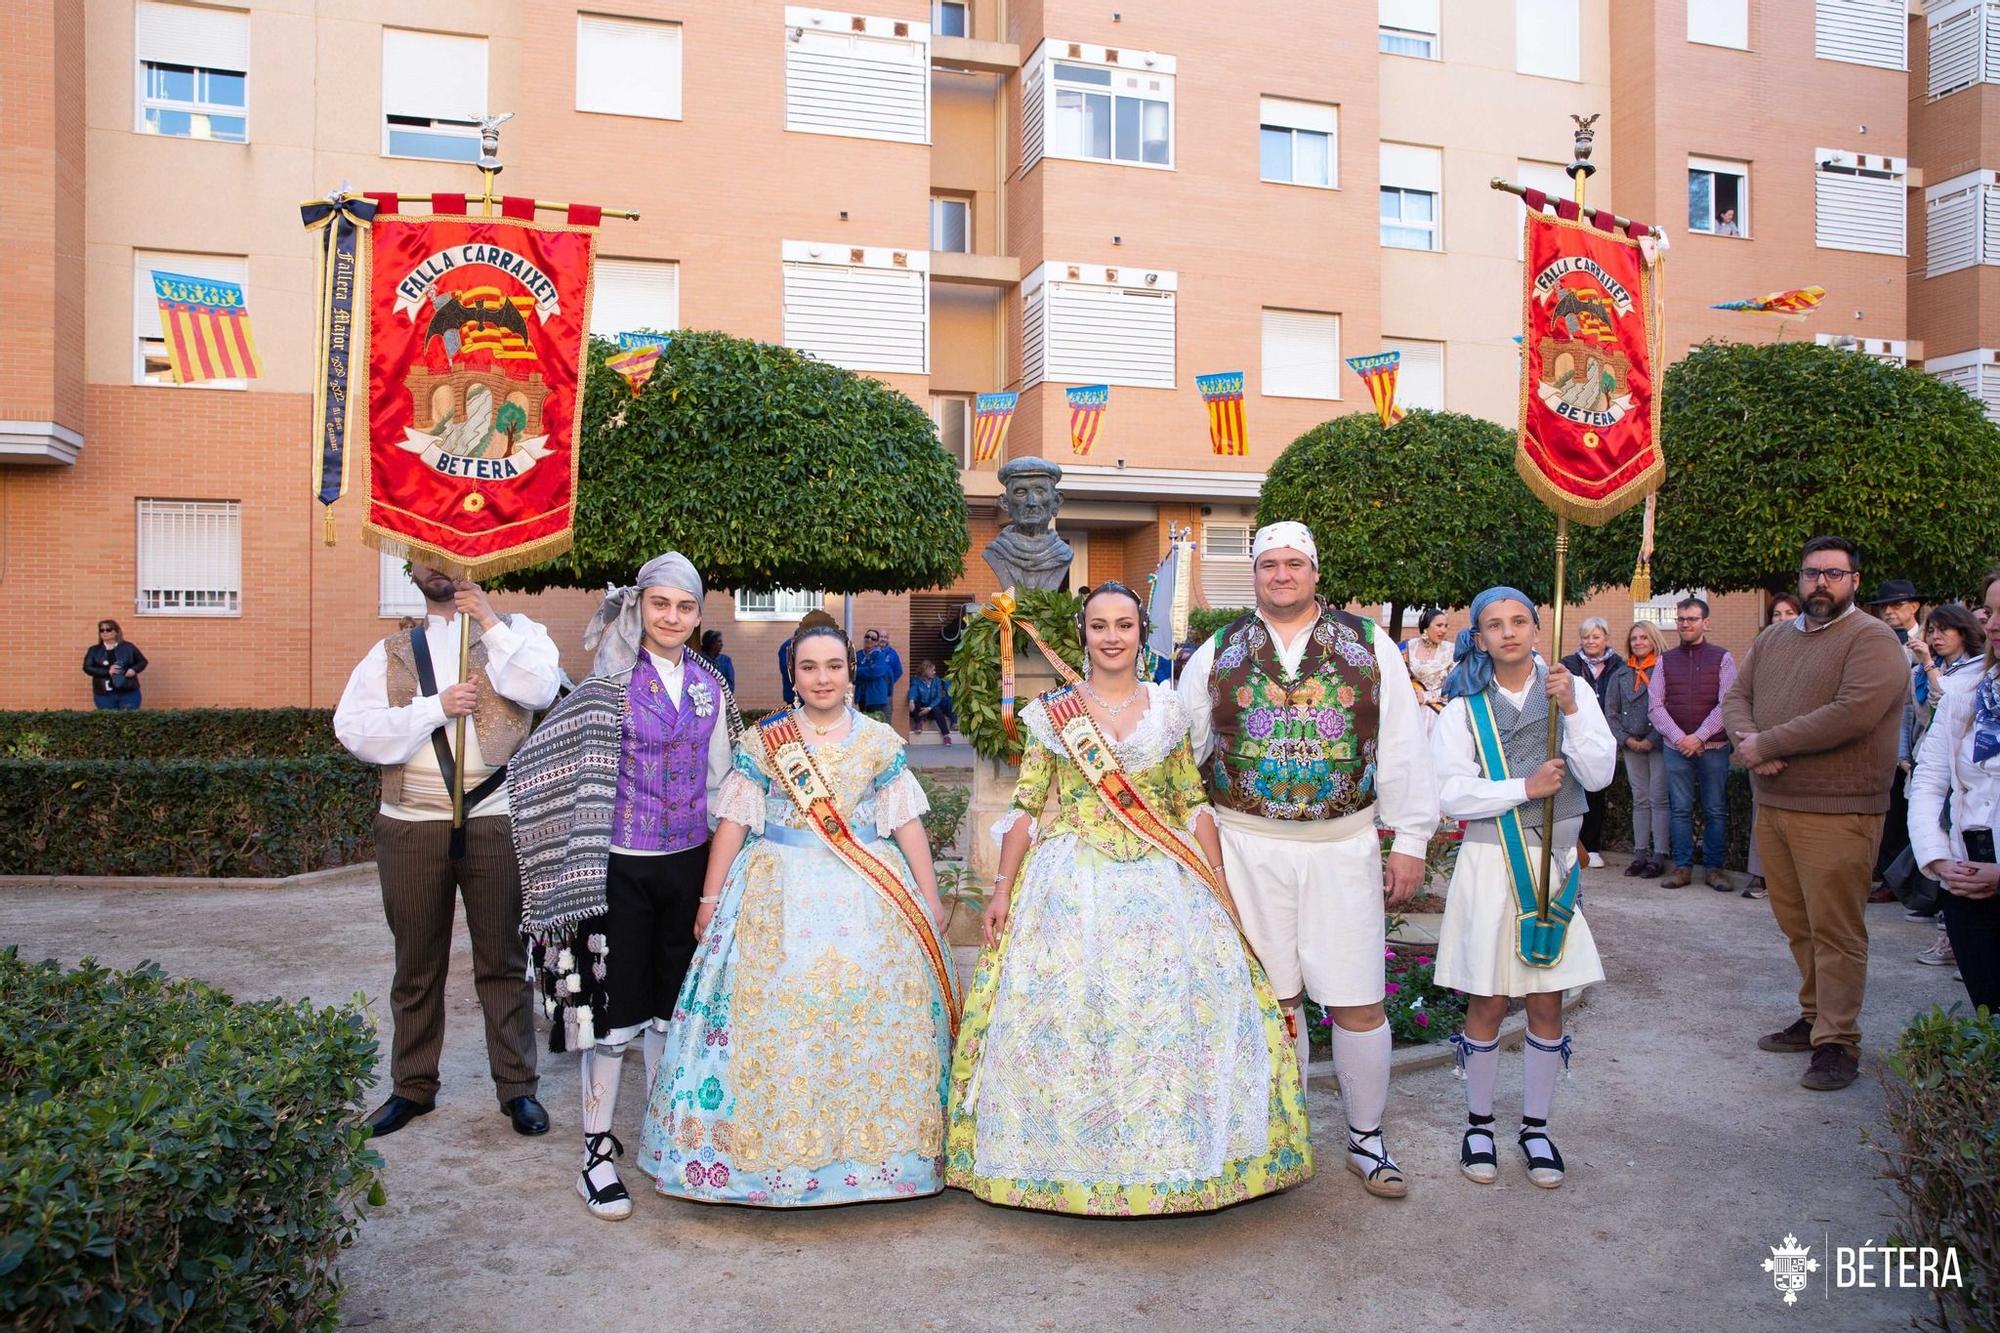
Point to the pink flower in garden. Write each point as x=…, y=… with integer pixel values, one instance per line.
x=1423, y=1019
x=1423, y=960
x=1389, y=954
x=1392, y=989
x=1326, y=1021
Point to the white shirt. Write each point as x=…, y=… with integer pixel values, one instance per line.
x=1464, y=793
x=721, y=755
x=1406, y=798
x=521, y=662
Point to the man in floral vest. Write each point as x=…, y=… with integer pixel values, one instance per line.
x=1309, y=734
x=610, y=798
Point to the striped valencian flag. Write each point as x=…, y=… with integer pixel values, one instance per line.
x=1223, y=393
x=991, y=416
x=1086, y=415
x=1378, y=372
x=207, y=328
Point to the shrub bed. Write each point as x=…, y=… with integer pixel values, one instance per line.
x=1618, y=818
x=169, y=733
x=172, y=1159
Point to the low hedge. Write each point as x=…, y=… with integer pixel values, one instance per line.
x=169, y=733
x=1946, y=1155
x=172, y=1159
x=204, y=817
x=1618, y=818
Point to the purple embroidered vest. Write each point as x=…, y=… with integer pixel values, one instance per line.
x=662, y=802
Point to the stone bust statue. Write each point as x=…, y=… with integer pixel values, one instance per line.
x=1027, y=554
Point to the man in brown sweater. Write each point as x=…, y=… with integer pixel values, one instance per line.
x=1814, y=715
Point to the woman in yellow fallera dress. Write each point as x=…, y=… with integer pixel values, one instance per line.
x=1121, y=1053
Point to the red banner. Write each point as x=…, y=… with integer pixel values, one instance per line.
x=1590, y=407
x=476, y=335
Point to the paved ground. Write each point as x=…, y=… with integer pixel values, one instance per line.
x=1691, y=1153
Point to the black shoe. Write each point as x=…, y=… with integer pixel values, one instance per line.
x=1833, y=1068
x=528, y=1116
x=1788, y=1040
x=393, y=1114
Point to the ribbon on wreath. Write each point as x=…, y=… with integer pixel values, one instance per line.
x=339, y=218
x=1001, y=611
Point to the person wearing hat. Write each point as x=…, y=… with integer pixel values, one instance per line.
x=1309, y=733
x=1897, y=605
x=611, y=819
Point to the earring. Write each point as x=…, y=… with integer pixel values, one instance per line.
x=850, y=696
x=798, y=700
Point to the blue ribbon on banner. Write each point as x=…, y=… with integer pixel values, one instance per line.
x=341, y=216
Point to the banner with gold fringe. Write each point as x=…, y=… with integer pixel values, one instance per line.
x=992, y=415
x=1378, y=373
x=1228, y=433
x=1087, y=405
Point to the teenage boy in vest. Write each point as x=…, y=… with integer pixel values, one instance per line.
x=1309, y=731
x=1815, y=716
x=397, y=713
x=1686, y=707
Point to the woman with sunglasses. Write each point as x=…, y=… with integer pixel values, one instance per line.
x=113, y=666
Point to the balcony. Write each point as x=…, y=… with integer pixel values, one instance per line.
x=971, y=270
x=965, y=53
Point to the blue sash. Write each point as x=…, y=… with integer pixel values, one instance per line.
x=1540, y=944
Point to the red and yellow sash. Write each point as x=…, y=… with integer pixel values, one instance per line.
x=1001, y=612
x=792, y=764
x=1092, y=753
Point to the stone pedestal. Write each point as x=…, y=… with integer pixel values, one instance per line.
x=993, y=779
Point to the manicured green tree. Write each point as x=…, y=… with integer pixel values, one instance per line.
x=766, y=468
x=1429, y=512
x=1770, y=444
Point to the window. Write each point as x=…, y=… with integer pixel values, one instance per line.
x=950, y=18
x=1977, y=372
x=1300, y=142
x=149, y=357
x=628, y=67
x=1858, y=202
x=1087, y=324
x=1889, y=351
x=1718, y=197
x=191, y=70
x=1962, y=223
x=1408, y=28
x=1548, y=177
x=1548, y=38
x=1720, y=23
x=433, y=92
x=1862, y=32
x=951, y=225
x=859, y=307
x=1411, y=181
x=1660, y=610
x=1964, y=44
x=1420, y=374
x=190, y=558
x=632, y=294
x=780, y=604
x=1226, y=578
x=1301, y=354
x=1097, y=104
x=953, y=414
x=864, y=78
x=396, y=595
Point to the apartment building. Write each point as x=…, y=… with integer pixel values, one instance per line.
x=952, y=197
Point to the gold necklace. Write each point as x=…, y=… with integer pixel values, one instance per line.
x=827, y=730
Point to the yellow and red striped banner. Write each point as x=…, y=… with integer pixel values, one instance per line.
x=207, y=329
x=992, y=414
x=1086, y=415
x=637, y=356
x=1378, y=372
x=1228, y=432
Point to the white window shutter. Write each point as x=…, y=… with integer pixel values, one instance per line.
x=1301, y=354
x=1953, y=223
x=1719, y=22
x=1956, y=40
x=628, y=67
x=1034, y=330
x=193, y=35
x=1408, y=167
x=1034, y=109
x=1319, y=117
x=1862, y=32
x=1110, y=335
x=1409, y=15
x=432, y=75
x=628, y=295
x=189, y=559
x=1420, y=373
x=1551, y=180
x=858, y=84
x=1548, y=38
x=1862, y=211
x=860, y=316
x=1226, y=577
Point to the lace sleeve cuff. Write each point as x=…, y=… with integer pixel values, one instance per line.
x=1011, y=818
x=740, y=801
x=898, y=801
x=1195, y=815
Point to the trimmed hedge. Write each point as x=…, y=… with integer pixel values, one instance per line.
x=172, y=1159
x=169, y=733
x=1618, y=818
x=204, y=817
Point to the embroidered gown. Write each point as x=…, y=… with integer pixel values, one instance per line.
x=1121, y=1051
x=807, y=1060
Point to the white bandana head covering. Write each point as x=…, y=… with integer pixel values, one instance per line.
x=616, y=631
x=1296, y=536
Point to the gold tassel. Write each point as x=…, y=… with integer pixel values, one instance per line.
x=1642, y=582
x=327, y=531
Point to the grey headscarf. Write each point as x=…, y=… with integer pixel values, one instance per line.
x=615, y=632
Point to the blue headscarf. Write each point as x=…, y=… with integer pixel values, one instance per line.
x=1471, y=665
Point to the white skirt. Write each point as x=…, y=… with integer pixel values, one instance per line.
x=1478, y=940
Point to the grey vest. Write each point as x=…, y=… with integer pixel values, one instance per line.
x=1524, y=735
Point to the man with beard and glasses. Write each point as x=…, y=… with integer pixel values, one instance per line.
x=1814, y=715
x=397, y=713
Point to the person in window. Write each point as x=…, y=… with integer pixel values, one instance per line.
x=113, y=666
x=930, y=701
x=711, y=648
x=1725, y=223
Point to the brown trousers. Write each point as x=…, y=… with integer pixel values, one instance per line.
x=1817, y=868
x=420, y=883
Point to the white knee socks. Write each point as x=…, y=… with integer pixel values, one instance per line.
x=1541, y=1062
x=1302, y=1043
x=654, y=1045
x=1361, y=1060
x=1479, y=1066
x=599, y=1078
